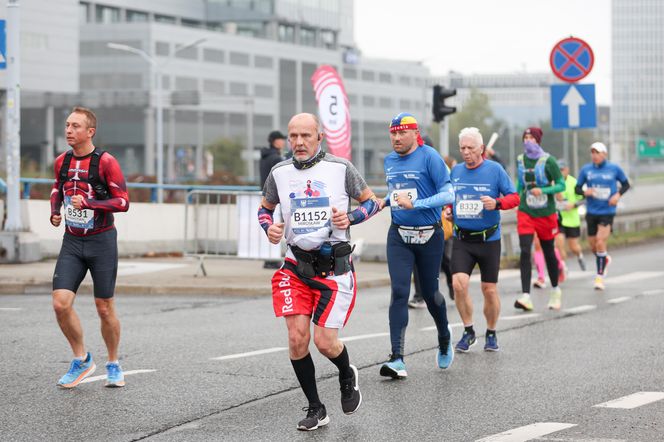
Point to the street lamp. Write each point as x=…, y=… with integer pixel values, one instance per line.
x=157, y=86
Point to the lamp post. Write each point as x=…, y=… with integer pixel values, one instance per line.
x=156, y=89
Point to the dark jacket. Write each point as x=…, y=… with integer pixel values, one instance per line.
x=269, y=157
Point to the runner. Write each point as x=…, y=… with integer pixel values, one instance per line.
x=539, y=179
x=568, y=204
x=418, y=187
x=601, y=178
x=478, y=185
x=317, y=280
x=90, y=184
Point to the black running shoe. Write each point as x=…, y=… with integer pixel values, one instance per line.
x=316, y=417
x=351, y=397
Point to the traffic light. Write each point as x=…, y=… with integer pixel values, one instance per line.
x=440, y=109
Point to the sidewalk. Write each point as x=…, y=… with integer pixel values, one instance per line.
x=174, y=276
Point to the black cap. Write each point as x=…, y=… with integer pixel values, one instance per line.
x=275, y=135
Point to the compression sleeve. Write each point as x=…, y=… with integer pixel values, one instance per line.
x=265, y=217
x=444, y=197
x=624, y=187
x=509, y=201
x=366, y=210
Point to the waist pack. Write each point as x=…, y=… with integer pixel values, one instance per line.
x=314, y=263
x=416, y=234
x=475, y=235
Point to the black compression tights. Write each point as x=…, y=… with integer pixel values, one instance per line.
x=548, y=248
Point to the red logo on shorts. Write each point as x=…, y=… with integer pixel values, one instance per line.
x=285, y=291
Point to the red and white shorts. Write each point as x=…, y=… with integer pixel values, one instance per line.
x=329, y=301
x=546, y=227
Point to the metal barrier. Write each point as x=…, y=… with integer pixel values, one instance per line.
x=223, y=224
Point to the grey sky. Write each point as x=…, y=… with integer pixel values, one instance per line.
x=485, y=36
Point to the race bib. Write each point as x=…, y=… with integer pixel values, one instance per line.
x=310, y=214
x=561, y=206
x=410, y=193
x=602, y=193
x=416, y=236
x=536, y=202
x=468, y=209
x=79, y=218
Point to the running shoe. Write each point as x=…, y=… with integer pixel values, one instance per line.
x=78, y=370
x=114, y=375
x=555, y=299
x=539, y=283
x=467, y=341
x=599, y=282
x=395, y=368
x=524, y=303
x=491, y=343
x=446, y=357
x=417, y=302
x=316, y=417
x=351, y=398
x=582, y=263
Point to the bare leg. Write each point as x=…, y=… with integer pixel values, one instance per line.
x=70, y=324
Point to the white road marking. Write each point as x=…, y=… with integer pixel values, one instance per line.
x=359, y=337
x=653, y=292
x=250, y=353
x=633, y=400
x=103, y=376
x=634, y=276
x=618, y=300
x=517, y=317
x=580, y=309
x=433, y=327
x=136, y=268
x=527, y=432
x=10, y=309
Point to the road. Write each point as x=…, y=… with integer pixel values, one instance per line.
x=202, y=368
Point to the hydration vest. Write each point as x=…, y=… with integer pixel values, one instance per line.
x=540, y=171
x=94, y=180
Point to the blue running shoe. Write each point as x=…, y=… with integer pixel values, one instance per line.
x=467, y=341
x=114, y=376
x=491, y=343
x=78, y=370
x=445, y=359
x=395, y=368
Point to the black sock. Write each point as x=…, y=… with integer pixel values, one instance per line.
x=343, y=364
x=470, y=330
x=306, y=375
x=490, y=332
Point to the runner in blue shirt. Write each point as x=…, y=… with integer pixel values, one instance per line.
x=418, y=187
x=601, y=178
x=478, y=185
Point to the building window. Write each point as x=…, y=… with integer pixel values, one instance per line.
x=239, y=59
x=263, y=91
x=213, y=87
x=263, y=62
x=238, y=88
x=190, y=53
x=213, y=55
x=162, y=49
x=368, y=76
x=329, y=39
x=137, y=16
x=307, y=36
x=385, y=77
x=385, y=102
x=186, y=84
x=83, y=12
x=368, y=101
x=191, y=23
x=350, y=73
x=286, y=33
x=164, y=19
x=106, y=14
x=404, y=80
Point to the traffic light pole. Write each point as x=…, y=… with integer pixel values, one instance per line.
x=444, y=138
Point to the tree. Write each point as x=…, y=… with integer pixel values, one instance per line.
x=227, y=156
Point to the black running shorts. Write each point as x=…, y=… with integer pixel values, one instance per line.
x=598, y=220
x=97, y=253
x=486, y=254
x=570, y=232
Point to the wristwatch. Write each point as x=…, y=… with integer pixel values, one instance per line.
x=498, y=204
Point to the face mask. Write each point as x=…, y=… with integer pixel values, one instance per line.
x=532, y=150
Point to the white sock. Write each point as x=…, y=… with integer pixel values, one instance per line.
x=113, y=362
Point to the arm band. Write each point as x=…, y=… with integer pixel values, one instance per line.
x=624, y=187
x=265, y=218
x=366, y=210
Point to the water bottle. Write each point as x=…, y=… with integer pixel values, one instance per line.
x=325, y=259
x=325, y=250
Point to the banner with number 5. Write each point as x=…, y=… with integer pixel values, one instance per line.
x=333, y=110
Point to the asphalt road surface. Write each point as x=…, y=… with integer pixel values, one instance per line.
x=202, y=368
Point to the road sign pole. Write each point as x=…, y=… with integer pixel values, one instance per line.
x=13, y=118
x=575, y=149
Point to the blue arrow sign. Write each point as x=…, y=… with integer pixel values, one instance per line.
x=3, y=45
x=573, y=106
